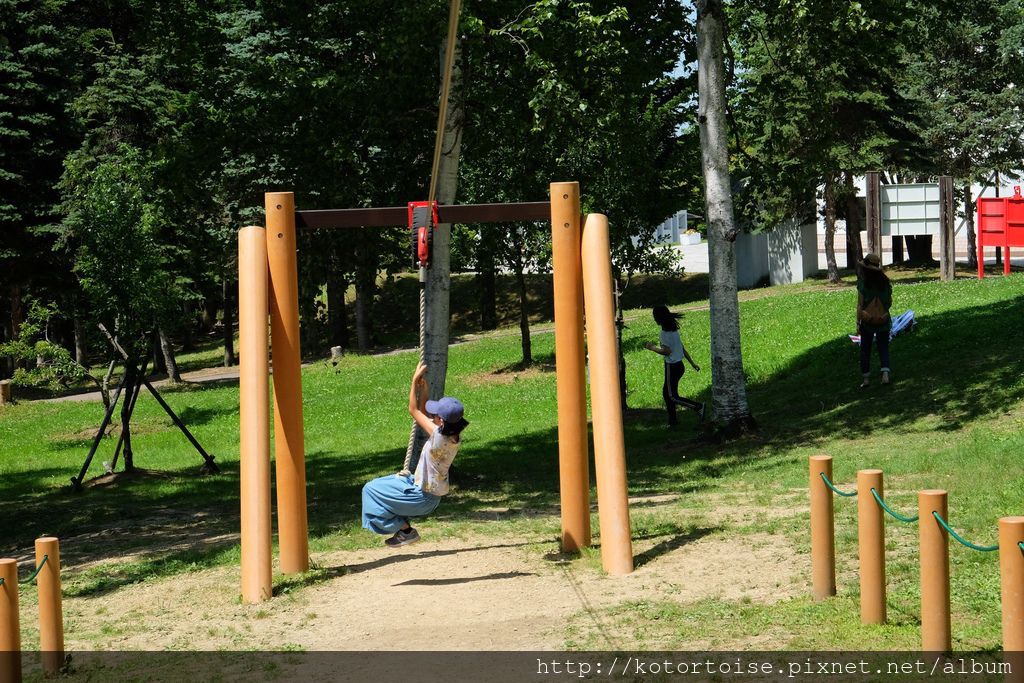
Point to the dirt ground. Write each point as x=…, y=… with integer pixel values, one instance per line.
x=483, y=593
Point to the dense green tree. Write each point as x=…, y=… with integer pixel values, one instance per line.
x=113, y=229
x=819, y=95
x=965, y=72
x=35, y=135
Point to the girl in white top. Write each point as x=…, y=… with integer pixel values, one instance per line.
x=390, y=501
x=671, y=347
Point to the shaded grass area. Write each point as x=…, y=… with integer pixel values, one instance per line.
x=952, y=420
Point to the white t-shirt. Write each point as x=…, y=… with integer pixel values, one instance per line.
x=671, y=340
x=435, y=459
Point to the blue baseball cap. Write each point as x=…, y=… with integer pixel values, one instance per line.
x=447, y=408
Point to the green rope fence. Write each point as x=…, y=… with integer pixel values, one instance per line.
x=892, y=512
x=834, y=489
x=38, y=569
x=965, y=543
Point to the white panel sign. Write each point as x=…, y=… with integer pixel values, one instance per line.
x=910, y=209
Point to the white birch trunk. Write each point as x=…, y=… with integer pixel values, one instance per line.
x=438, y=285
x=728, y=385
x=435, y=351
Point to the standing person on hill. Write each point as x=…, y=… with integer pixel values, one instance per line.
x=874, y=299
x=671, y=347
x=390, y=501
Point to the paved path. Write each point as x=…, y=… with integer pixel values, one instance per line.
x=203, y=376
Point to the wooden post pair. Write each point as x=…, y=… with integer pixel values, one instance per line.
x=268, y=285
x=51, y=619
x=581, y=257
x=936, y=635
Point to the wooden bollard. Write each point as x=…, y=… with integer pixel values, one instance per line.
x=5, y=391
x=254, y=416
x=871, y=547
x=1011, y=574
x=289, y=439
x=823, y=535
x=936, y=635
x=570, y=380
x=605, y=398
x=51, y=614
x=10, y=627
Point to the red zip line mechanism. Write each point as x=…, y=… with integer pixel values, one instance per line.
x=422, y=220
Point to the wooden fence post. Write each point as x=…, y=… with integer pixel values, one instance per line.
x=823, y=535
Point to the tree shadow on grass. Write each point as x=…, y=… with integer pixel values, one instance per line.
x=954, y=367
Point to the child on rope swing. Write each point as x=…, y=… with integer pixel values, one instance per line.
x=390, y=501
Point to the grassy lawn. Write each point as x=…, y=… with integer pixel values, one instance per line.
x=951, y=420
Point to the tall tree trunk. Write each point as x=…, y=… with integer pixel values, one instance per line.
x=187, y=330
x=366, y=289
x=228, y=326
x=81, y=350
x=855, y=248
x=17, y=318
x=6, y=366
x=337, y=319
x=728, y=385
x=830, y=230
x=486, y=280
x=437, y=291
x=972, y=240
x=435, y=352
x=524, y=316
x=208, y=313
x=159, y=359
x=168, y=353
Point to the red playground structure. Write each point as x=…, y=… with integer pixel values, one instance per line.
x=1000, y=224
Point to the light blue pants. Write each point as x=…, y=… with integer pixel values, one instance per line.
x=389, y=502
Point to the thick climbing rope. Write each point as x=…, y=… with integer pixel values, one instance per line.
x=963, y=542
x=834, y=489
x=895, y=514
x=442, y=121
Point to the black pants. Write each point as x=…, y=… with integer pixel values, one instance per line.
x=670, y=391
x=881, y=338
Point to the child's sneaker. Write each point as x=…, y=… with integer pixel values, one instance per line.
x=403, y=537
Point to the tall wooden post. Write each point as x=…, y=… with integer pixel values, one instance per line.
x=871, y=547
x=51, y=612
x=10, y=623
x=289, y=447
x=1011, y=575
x=609, y=441
x=823, y=534
x=947, y=218
x=570, y=378
x=936, y=635
x=873, y=206
x=254, y=415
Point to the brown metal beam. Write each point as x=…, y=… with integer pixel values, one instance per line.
x=396, y=216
